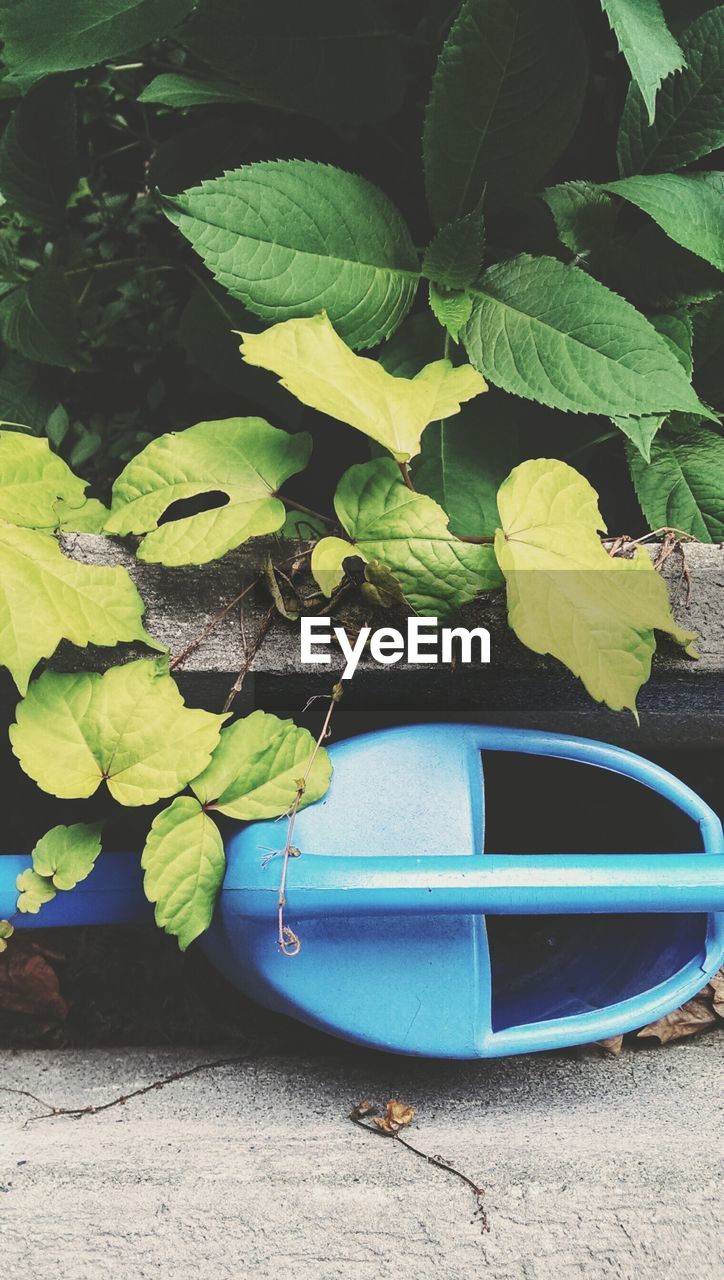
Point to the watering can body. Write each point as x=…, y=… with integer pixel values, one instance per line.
x=393, y=897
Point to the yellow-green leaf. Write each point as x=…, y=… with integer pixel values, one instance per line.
x=569, y=598
x=259, y=766
x=245, y=458
x=321, y=371
x=328, y=557
x=128, y=727
x=46, y=598
x=33, y=891
x=183, y=860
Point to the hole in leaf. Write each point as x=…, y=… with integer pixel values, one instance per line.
x=186, y=507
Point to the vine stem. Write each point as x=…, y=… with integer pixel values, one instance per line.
x=307, y=511
x=289, y=942
x=405, y=472
x=436, y=1161
x=91, y=1110
x=210, y=626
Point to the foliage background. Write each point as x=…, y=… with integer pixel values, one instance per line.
x=124, y=335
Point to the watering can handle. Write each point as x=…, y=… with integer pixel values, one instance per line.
x=494, y=884
x=604, y=755
x=111, y=894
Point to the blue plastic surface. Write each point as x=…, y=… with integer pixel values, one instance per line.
x=392, y=892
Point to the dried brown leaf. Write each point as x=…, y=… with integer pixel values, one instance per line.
x=611, y=1046
x=397, y=1116
x=717, y=985
x=363, y=1108
x=694, y=1016
x=29, y=984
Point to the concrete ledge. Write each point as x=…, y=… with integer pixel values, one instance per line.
x=681, y=705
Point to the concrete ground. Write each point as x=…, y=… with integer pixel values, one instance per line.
x=593, y=1167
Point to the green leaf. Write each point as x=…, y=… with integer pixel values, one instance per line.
x=321, y=371
x=566, y=596
x=33, y=891
x=689, y=207
x=6, y=932
x=172, y=89
x=184, y=862
x=24, y=396
x=506, y=97
x=45, y=598
x=128, y=727
x=66, y=855
x=409, y=533
x=39, y=164
x=244, y=458
x=39, y=320
x=709, y=350
x=584, y=216
x=690, y=111
x=327, y=562
x=339, y=62
x=683, y=486
x=42, y=35
x=33, y=481
x=646, y=43
x=466, y=459
x=454, y=258
x=290, y=237
x=258, y=768
x=551, y=333
x=452, y=309
x=676, y=330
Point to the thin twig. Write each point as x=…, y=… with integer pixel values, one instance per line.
x=289, y=942
x=91, y=1110
x=211, y=626
x=437, y=1162
x=249, y=657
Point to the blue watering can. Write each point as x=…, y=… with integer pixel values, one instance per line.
x=395, y=901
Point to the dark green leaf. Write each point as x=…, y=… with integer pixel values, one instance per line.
x=654, y=272
x=293, y=238
x=39, y=165
x=337, y=61
x=38, y=319
x=683, y=485
x=24, y=397
x=646, y=43
x=709, y=350
x=584, y=216
x=465, y=459
x=454, y=258
x=173, y=89
x=43, y=35
x=690, y=112
x=209, y=334
x=506, y=97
